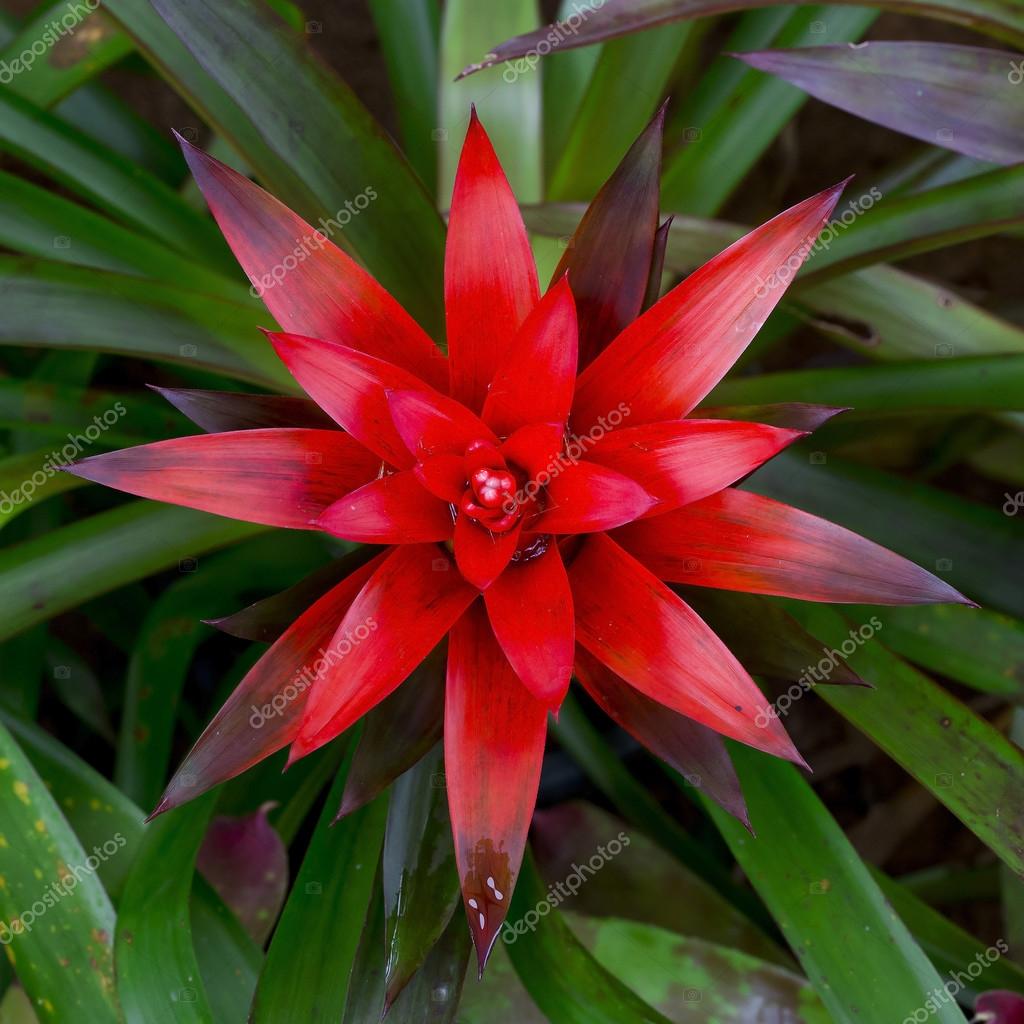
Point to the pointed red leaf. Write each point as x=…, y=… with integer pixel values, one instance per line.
x=537, y=376
x=401, y=614
x=609, y=256
x=397, y=733
x=217, y=411
x=432, y=424
x=695, y=751
x=680, y=461
x=283, y=477
x=535, y=449
x=444, y=476
x=530, y=610
x=490, y=279
x=740, y=541
x=642, y=631
x=396, y=509
x=494, y=734
x=481, y=555
x=584, y=497
x=663, y=364
x=309, y=285
x=263, y=713
x=352, y=388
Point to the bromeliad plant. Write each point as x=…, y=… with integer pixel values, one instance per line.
x=492, y=487
x=534, y=490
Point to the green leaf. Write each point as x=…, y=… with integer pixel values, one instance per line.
x=421, y=883
x=967, y=764
x=674, y=972
x=307, y=970
x=77, y=687
x=40, y=223
x=635, y=803
x=51, y=305
x=622, y=94
x=25, y=480
x=298, y=116
x=910, y=224
x=87, y=168
x=167, y=642
x=857, y=953
x=110, y=121
x=509, y=103
x=93, y=807
x=980, y=383
x=979, y=648
x=633, y=884
x=565, y=77
x=80, y=42
x=49, y=574
x=158, y=976
x=563, y=979
x=950, y=948
x=55, y=409
x=57, y=922
x=433, y=996
x=409, y=32
x=96, y=809
x=736, y=114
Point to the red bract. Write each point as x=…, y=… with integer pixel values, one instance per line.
x=525, y=510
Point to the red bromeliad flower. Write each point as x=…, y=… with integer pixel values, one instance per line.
x=534, y=492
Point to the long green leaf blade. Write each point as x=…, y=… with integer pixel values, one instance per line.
x=307, y=971
x=860, y=957
x=44, y=576
x=57, y=922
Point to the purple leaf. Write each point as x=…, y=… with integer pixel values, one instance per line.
x=217, y=411
x=597, y=20
x=960, y=97
x=246, y=862
x=610, y=257
x=791, y=415
x=999, y=1008
x=265, y=620
x=695, y=751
